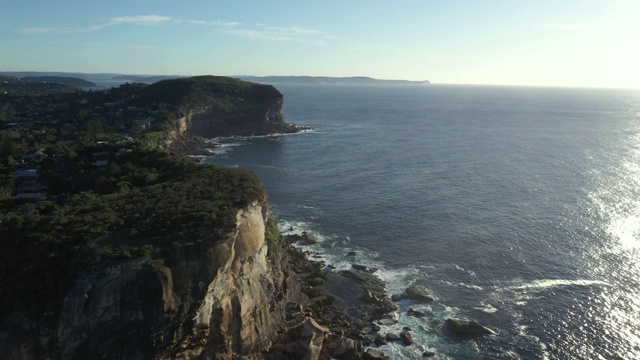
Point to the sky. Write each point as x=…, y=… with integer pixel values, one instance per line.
x=575, y=43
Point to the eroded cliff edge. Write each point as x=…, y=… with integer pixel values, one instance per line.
x=156, y=257
x=203, y=300
x=214, y=296
x=213, y=106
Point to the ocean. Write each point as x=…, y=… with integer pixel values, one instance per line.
x=518, y=207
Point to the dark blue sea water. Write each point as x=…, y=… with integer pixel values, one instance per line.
x=518, y=207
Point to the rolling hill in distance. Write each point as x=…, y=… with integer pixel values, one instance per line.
x=149, y=79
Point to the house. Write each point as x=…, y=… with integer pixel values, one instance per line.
x=101, y=163
x=31, y=186
x=24, y=175
x=144, y=123
x=34, y=157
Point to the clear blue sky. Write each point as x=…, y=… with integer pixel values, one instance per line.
x=592, y=43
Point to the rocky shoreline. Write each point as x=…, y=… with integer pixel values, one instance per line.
x=336, y=314
x=339, y=313
x=194, y=145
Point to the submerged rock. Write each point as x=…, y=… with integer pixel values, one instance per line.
x=359, y=267
x=387, y=321
x=379, y=340
x=304, y=339
x=416, y=313
x=418, y=292
x=338, y=346
x=407, y=338
x=429, y=353
x=468, y=327
x=374, y=354
x=309, y=239
x=393, y=337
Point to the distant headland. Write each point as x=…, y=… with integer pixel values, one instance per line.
x=353, y=80
x=150, y=79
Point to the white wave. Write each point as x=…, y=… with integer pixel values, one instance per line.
x=468, y=286
x=269, y=167
x=458, y=267
x=396, y=281
x=224, y=148
x=488, y=308
x=274, y=135
x=551, y=283
x=522, y=331
x=292, y=227
x=511, y=355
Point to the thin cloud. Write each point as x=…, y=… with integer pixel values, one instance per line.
x=289, y=34
x=227, y=23
x=138, y=20
x=258, y=32
x=213, y=23
x=294, y=30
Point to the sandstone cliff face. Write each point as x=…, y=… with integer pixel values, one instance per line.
x=212, y=122
x=208, y=107
x=202, y=301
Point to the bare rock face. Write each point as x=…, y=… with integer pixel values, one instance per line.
x=468, y=327
x=407, y=338
x=374, y=354
x=213, y=122
x=111, y=309
x=210, y=106
x=418, y=292
x=209, y=300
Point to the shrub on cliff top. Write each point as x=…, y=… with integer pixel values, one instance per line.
x=186, y=203
x=222, y=92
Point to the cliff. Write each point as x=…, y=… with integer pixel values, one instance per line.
x=201, y=300
x=212, y=106
x=156, y=257
x=188, y=264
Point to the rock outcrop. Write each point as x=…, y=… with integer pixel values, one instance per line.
x=213, y=106
x=414, y=292
x=205, y=301
x=467, y=327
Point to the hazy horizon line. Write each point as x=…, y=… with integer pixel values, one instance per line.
x=328, y=76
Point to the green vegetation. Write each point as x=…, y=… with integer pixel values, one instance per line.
x=275, y=241
x=210, y=91
x=26, y=87
x=66, y=80
x=83, y=182
x=153, y=203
